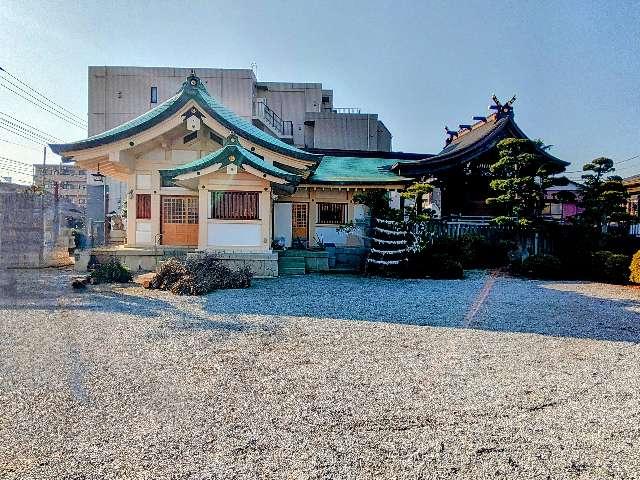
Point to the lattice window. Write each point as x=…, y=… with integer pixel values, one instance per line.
x=180, y=210
x=333, y=213
x=235, y=205
x=299, y=215
x=143, y=206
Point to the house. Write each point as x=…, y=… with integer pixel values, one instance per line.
x=633, y=203
x=461, y=168
x=200, y=176
x=301, y=114
x=563, y=202
x=67, y=181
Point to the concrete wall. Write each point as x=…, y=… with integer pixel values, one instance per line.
x=32, y=230
x=347, y=131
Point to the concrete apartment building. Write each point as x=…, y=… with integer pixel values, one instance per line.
x=301, y=114
x=70, y=181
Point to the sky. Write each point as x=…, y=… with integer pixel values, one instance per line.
x=420, y=65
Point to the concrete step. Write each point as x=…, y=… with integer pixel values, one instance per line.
x=291, y=262
x=291, y=271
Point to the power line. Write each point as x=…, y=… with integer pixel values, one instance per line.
x=42, y=106
x=38, y=141
x=60, y=107
x=24, y=125
x=19, y=144
x=52, y=109
x=9, y=168
x=18, y=162
x=42, y=103
x=19, y=129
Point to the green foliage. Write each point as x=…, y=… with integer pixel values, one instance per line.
x=610, y=267
x=416, y=190
x=200, y=274
x=603, y=195
x=434, y=265
x=111, y=271
x=522, y=176
x=376, y=199
x=444, y=267
x=634, y=268
x=542, y=266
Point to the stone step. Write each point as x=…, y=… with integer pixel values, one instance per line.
x=291, y=271
x=291, y=262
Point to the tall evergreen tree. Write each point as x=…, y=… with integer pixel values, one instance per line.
x=521, y=178
x=603, y=196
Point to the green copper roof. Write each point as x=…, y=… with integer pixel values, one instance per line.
x=192, y=89
x=231, y=152
x=356, y=170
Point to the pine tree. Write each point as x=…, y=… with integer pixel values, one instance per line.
x=603, y=195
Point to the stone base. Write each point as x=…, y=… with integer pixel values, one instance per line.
x=314, y=260
x=263, y=265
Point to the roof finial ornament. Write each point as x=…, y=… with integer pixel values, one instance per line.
x=450, y=135
x=506, y=109
x=193, y=79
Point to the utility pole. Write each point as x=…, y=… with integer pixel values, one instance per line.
x=44, y=163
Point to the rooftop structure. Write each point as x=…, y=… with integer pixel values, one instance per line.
x=200, y=175
x=299, y=114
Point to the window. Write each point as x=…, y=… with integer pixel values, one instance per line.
x=143, y=206
x=154, y=94
x=334, y=213
x=180, y=210
x=216, y=138
x=235, y=205
x=190, y=136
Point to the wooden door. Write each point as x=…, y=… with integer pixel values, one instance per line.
x=179, y=220
x=299, y=222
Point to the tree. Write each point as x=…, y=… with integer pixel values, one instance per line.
x=416, y=193
x=522, y=177
x=603, y=196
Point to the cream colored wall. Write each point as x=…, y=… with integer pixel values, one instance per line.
x=312, y=196
x=221, y=181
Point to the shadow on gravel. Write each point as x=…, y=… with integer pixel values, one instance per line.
x=509, y=305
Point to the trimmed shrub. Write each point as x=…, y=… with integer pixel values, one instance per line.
x=445, y=267
x=200, y=274
x=635, y=268
x=434, y=265
x=542, y=266
x=111, y=271
x=610, y=267
x=481, y=252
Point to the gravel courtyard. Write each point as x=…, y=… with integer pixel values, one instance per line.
x=321, y=377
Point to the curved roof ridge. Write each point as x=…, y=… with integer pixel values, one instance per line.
x=191, y=89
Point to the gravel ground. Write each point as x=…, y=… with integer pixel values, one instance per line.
x=321, y=377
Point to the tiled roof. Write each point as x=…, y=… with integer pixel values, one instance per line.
x=470, y=144
x=192, y=89
x=356, y=170
x=240, y=155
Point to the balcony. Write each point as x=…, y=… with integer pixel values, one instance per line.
x=263, y=115
x=346, y=110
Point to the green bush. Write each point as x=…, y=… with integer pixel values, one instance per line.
x=635, y=268
x=445, y=267
x=111, y=271
x=434, y=265
x=200, y=274
x=610, y=267
x=481, y=252
x=542, y=266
